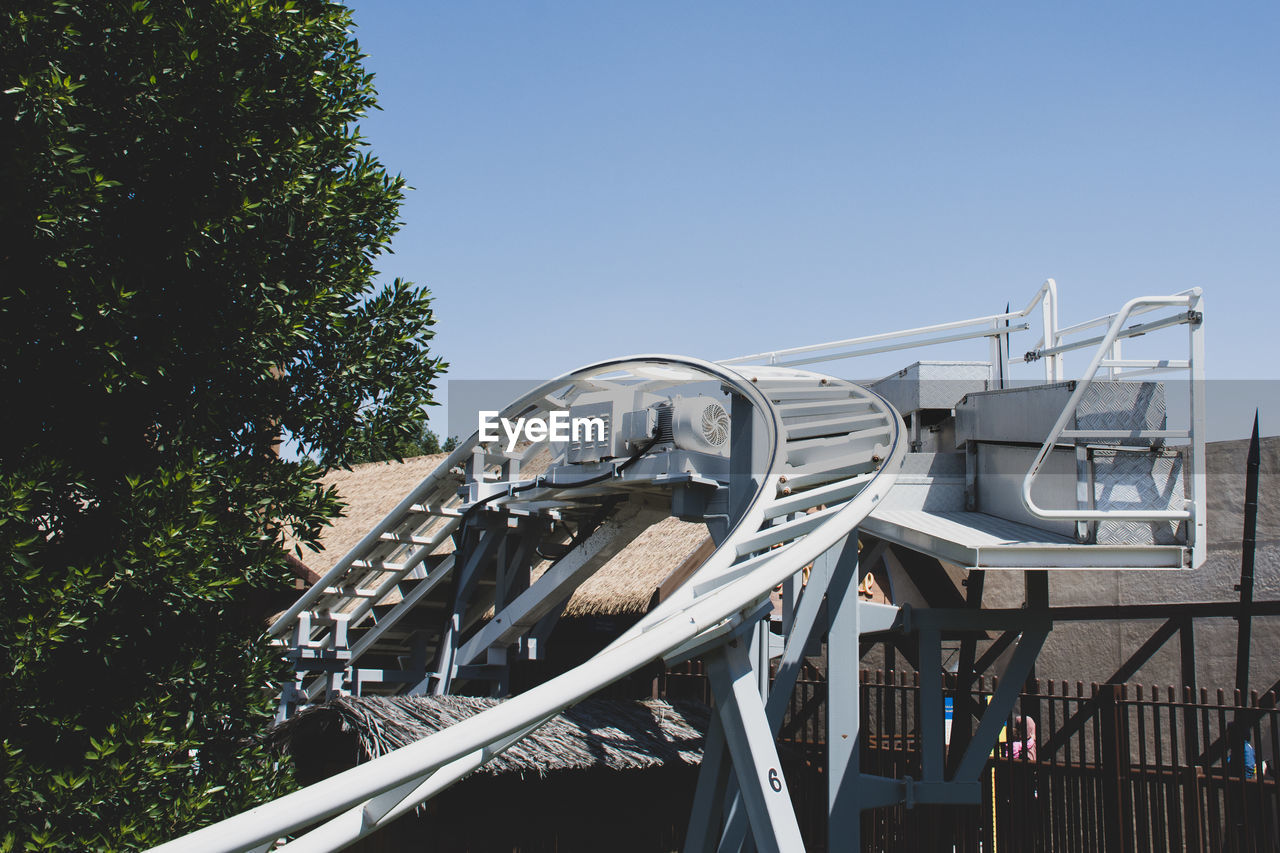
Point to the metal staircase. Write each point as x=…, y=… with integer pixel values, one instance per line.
x=472, y=569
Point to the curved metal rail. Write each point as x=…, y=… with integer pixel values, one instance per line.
x=819, y=453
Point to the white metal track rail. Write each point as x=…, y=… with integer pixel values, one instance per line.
x=840, y=474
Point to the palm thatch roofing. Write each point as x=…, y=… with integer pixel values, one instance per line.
x=606, y=733
x=626, y=584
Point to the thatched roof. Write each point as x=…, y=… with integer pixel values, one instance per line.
x=609, y=733
x=626, y=584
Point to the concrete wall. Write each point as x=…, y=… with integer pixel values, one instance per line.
x=1093, y=651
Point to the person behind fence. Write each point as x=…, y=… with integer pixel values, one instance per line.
x=1022, y=738
x=1236, y=735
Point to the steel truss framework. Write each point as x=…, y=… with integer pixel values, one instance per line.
x=810, y=458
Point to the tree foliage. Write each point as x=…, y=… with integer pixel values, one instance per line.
x=188, y=225
x=426, y=443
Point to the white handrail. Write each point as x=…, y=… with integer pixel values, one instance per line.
x=1131, y=307
x=1046, y=296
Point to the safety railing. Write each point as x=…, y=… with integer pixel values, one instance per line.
x=992, y=326
x=1106, y=355
x=1050, y=350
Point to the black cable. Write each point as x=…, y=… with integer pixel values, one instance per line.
x=543, y=481
x=599, y=478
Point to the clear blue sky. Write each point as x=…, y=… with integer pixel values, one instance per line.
x=599, y=179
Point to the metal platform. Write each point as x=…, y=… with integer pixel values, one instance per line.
x=975, y=540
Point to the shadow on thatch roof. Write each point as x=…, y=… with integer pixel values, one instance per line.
x=610, y=733
x=626, y=584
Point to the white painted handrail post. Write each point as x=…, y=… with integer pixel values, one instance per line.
x=1049, y=314
x=1199, y=536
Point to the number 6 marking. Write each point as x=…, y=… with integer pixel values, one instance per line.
x=774, y=782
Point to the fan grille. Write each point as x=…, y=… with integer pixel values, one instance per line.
x=715, y=424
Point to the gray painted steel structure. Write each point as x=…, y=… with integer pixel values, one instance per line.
x=812, y=462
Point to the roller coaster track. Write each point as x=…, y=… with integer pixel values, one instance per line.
x=811, y=456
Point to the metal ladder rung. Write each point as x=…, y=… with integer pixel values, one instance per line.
x=830, y=427
x=808, y=475
x=857, y=437
x=813, y=408
x=378, y=565
x=827, y=494
x=785, y=532
x=436, y=510
x=786, y=391
x=347, y=593
x=825, y=451
x=409, y=539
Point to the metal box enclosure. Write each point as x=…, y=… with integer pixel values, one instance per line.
x=612, y=407
x=933, y=384
x=999, y=473
x=1026, y=415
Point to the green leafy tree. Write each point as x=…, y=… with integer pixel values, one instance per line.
x=188, y=225
x=426, y=443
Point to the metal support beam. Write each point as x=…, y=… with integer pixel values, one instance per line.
x=829, y=572
x=556, y=585
x=747, y=458
x=1190, y=722
x=931, y=714
x=479, y=552
x=998, y=647
x=844, y=735
x=750, y=744
x=975, y=757
x=962, y=718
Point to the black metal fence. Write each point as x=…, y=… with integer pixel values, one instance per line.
x=1116, y=768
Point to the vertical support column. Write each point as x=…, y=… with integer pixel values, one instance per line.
x=1037, y=595
x=1085, y=530
x=809, y=623
x=1053, y=364
x=1197, y=531
x=746, y=457
x=844, y=812
x=962, y=720
x=760, y=656
x=791, y=589
x=1000, y=353
x=480, y=549
x=931, y=722
x=750, y=743
x=1190, y=723
x=1113, y=372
